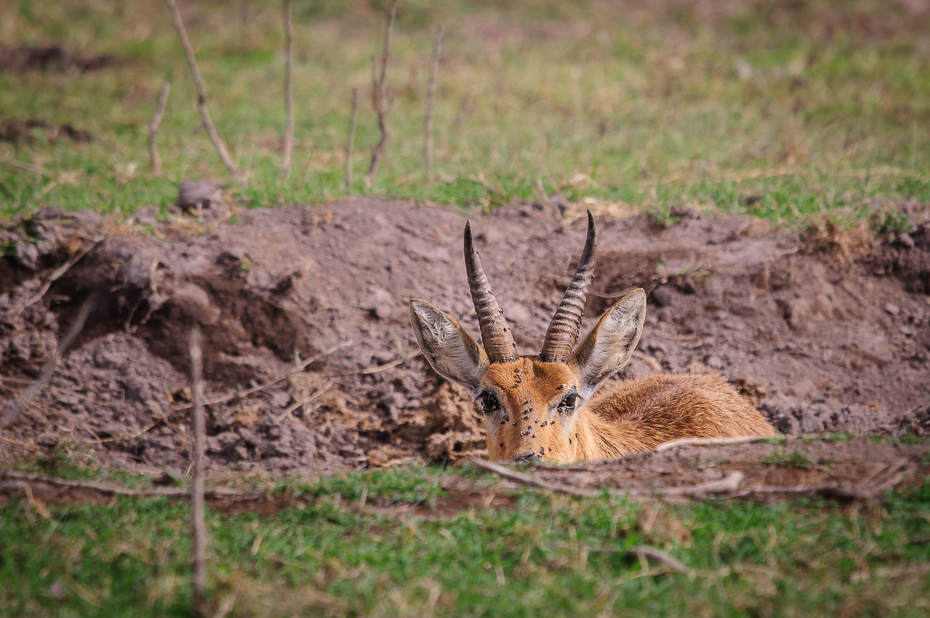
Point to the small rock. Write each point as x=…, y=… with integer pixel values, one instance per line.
x=907, y=331
x=146, y=216
x=714, y=362
x=892, y=309
x=87, y=218
x=661, y=296
x=379, y=302
x=48, y=440
x=136, y=389
x=195, y=303
x=26, y=255
x=105, y=358
x=905, y=240
x=205, y=193
x=279, y=399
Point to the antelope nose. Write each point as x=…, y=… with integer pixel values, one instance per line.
x=525, y=457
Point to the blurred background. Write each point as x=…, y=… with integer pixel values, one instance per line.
x=780, y=109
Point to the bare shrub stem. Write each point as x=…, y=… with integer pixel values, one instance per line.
x=350, y=140
x=153, y=129
x=198, y=523
x=379, y=94
x=430, y=97
x=288, y=90
x=201, y=92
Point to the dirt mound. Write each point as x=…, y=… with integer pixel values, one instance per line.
x=16, y=131
x=53, y=58
x=280, y=292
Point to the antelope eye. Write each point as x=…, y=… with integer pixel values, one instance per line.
x=489, y=403
x=567, y=405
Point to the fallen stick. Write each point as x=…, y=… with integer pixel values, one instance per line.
x=198, y=521
x=350, y=140
x=288, y=90
x=379, y=94
x=115, y=490
x=26, y=167
x=913, y=569
x=261, y=387
x=430, y=96
x=526, y=479
x=656, y=555
x=710, y=442
x=153, y=129
x=201, y=92
x=729, y=483
x=48, y=370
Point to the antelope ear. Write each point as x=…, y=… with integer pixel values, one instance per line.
x=448, y=348
x=609, y=345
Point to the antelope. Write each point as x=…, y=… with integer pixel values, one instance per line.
x=542, y=408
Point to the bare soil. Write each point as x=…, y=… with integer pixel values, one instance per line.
x=822, y=342
x=53, y=58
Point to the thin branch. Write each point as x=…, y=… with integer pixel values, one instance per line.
x=26, y=167
x=526, y=479
x=430, y=96
x=116, y=490
x=153, y=129
x=896, y=572
x=711, y=442
x=198, y=522
x=288, y=90
x=48, y=370
x=379, y=95
x=269, y=384
x=656, y=555
x=730, y=483
x=201, y=92
x=350, y=140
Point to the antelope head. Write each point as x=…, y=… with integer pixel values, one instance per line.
x=533, y=405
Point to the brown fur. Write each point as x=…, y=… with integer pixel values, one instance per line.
x=636, y=416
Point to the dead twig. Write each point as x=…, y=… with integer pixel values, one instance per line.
x=729, y=483
x=115, y=490
x=379, y=94
x=198, y=522
x=261, y=387
x=319, y=393
x=288, y=90
x=153, y=129
x=913, y=569
x=710, y=442
x=430, y=96
x=48, y=370
x=656, y=555
x=526, y=479
x=26, y=167
x=201, y=92
x=350, y=140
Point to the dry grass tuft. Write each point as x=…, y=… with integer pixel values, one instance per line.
x=845, y=242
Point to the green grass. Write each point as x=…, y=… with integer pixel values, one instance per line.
x=770, y=109
x=551, y=555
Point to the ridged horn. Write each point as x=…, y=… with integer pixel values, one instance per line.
x=566, y=323
x=495, y=334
